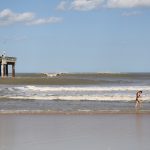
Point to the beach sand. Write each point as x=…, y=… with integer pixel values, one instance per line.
x=74, y=132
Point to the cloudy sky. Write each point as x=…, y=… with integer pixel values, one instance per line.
x=76, y=35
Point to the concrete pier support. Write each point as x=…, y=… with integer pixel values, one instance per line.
x=3, y=70
x=7, y=70
x=13, y=70
x=4, y=66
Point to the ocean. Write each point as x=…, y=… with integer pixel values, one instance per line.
x=74, y=92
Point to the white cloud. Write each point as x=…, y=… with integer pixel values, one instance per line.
x=63, y=5
x=87, y=5
x=8, y=17
x=133, y=13
x=45, y=21
x=79, y=5
x=127, y=3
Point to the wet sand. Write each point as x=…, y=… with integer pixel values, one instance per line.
x=74, y=132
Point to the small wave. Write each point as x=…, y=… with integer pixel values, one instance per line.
x=80, y=98
x=22, y=111
x=90, y=88
x=97, y=93
x=59, y=112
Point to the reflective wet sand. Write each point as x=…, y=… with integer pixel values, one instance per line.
x=75, y=132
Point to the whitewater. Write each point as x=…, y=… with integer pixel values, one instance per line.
x=75, y=92
x=97, y=93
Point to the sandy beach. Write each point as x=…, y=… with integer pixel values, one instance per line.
x=75, y=132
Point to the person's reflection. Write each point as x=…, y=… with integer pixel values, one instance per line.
x=139, y=131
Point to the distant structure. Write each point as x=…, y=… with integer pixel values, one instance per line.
x=5, y=61
x=52, y=74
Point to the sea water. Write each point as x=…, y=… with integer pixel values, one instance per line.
x=105, y=91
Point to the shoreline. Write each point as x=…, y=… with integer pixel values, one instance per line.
x=49, y=112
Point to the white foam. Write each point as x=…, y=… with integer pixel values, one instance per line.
x=21, y=111
x=85, y=97
x=99, y=93
x=84, y=88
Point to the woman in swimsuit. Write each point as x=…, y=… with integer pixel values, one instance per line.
x=138, y=100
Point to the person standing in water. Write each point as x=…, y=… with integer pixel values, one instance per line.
x=138, y=99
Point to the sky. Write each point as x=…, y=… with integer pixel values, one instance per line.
x=76, y=35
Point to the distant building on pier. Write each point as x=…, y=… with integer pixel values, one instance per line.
x=5, y=61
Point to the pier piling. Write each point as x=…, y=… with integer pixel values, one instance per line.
x=5, y=61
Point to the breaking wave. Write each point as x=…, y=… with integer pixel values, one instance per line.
x=97, y=93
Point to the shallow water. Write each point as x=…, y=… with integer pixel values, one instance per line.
x=13, y=106
x=75, y=132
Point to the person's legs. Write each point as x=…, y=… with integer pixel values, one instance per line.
x=137, y=105
x=140, y=104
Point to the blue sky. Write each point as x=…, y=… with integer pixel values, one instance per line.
x=76, y=35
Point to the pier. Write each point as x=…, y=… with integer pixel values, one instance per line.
x=5, y=61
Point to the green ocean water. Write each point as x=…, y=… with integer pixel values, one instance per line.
x=79, y=78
